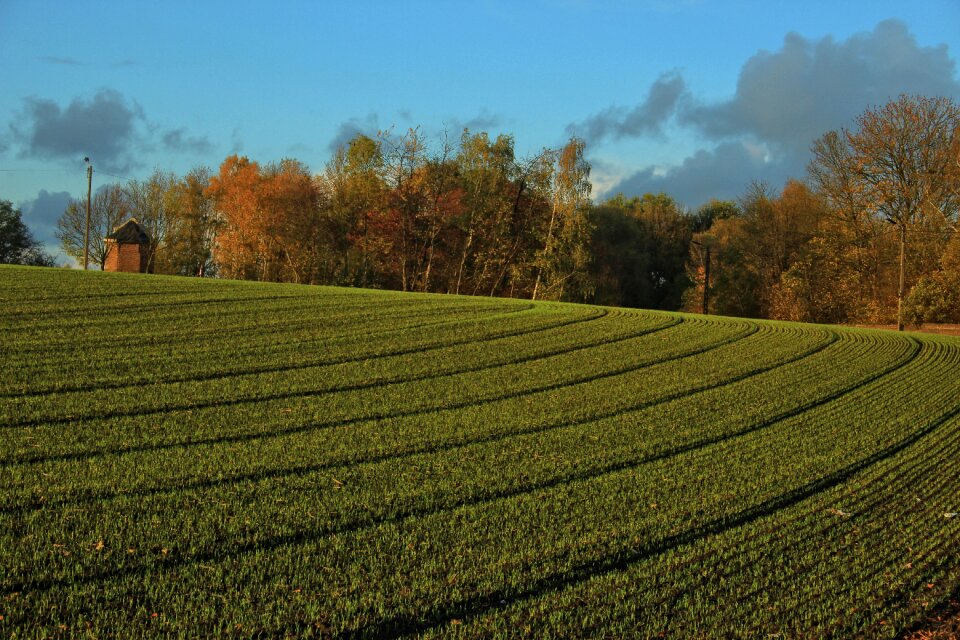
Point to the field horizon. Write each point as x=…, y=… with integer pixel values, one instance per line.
x=207, y=457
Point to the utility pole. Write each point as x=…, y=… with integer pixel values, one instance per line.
x=903, y=245
x=86, y=230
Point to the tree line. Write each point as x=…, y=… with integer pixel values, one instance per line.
x=869, y=232
x=869, y=237
x=468, y=217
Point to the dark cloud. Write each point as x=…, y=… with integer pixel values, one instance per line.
x=105, y=128
x=784, y=101
x=349, y=130
x=70, y=62
x=41, y=215
x=723, y=172
x=792, y=96
x=645, y=119
x=112, y=130
x=179, y=141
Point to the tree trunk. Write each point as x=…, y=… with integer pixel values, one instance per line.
x=546, y=248
x=900, y=292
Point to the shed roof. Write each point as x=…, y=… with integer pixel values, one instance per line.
x=130, y=231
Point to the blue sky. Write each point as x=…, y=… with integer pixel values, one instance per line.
x=695, y=98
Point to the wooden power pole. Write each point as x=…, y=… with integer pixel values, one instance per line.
x=86, y=229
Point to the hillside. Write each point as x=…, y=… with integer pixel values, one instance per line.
x=204, y=457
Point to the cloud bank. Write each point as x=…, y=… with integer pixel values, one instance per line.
x=645, y=119
x=107, y=127
x=784, y=100
x=41, y=215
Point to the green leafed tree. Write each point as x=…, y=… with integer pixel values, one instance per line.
x=639, y=250
x=17, y=245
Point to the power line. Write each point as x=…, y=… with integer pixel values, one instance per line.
x=62, y=171
x=37, y=170
x=112, y=176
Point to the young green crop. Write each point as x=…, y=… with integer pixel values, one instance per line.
x=186, y=457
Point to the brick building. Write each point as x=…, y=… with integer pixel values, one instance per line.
x=128, y=248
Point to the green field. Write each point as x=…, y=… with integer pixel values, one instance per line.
x=187, y=457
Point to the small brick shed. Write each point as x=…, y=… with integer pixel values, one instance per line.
x=128, y=248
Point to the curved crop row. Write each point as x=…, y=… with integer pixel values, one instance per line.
x=373, y=464
x=297, y=348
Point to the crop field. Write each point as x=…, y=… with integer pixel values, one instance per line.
x=212, y=458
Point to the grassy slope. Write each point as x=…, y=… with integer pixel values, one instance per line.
x=189, y=456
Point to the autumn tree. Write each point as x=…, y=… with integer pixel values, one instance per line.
x=108, y=209
x=290, y=223
x=487, y=171
x=423, y=203
x=896, y=165
x=936, y=296
x=269, y=224
x=505, y=208
x=355, y=190
x=752, y=245
x=507, y=205
x=855, y=237
x=191, y=227
x=714, y=210
x=395, y=231
x=563, y=259
x=238, y=247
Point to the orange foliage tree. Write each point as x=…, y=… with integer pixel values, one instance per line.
x=270, y=221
